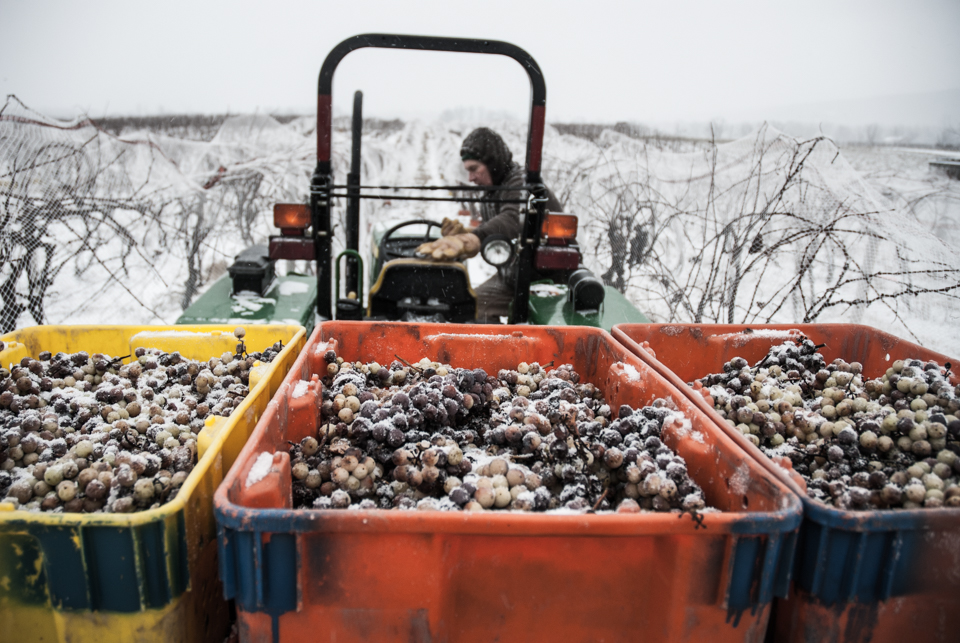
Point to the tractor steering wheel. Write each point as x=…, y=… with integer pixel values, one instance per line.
x=405, y=246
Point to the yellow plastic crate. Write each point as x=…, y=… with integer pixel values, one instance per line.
x=145, y=576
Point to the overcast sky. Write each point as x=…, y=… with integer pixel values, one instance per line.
x=603, y=61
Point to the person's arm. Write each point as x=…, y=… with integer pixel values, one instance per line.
x=507, y=222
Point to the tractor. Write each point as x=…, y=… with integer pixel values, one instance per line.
x=552, y=286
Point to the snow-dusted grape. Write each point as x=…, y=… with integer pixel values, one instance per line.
x=88, y=433
x=433, y=437
x=860, y=443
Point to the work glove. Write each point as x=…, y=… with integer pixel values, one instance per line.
x=458, y=246
x=450, y=227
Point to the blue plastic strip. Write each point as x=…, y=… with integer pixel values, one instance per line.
x=181, y=564
x=226, y=562
x=841, y=561
x=280, y=575
x=819, y=566
x=258, y=568
x=781, y=588
x=744, y=563
x=246, y=594
x=858, y=564
x=896, y=548
x=112, y=569
x=866, y=578
x=153, y=564
x=771, y=557
x=66, y=567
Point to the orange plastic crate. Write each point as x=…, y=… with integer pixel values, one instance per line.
x=384, y=575
x=860, y=576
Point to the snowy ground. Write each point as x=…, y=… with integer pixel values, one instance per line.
x=766, y=228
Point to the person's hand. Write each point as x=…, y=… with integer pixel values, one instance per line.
x=458, y=246
x=450, y=227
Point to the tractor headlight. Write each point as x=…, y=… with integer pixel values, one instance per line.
x=496, y=250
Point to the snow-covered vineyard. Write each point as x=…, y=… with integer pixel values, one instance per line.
x=100, y=228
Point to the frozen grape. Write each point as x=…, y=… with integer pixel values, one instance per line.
x=429, y=436
x=860, y=443
x=88, y=425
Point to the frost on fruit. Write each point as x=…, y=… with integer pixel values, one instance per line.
x=427, y=436
x=862, y=441
x=107, y=434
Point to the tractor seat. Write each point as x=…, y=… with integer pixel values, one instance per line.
x=419, y=290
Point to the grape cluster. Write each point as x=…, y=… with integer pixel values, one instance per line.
x=429, y=436
x=860, y=443
x=87, y=433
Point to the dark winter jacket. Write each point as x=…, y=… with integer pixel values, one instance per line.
x=497, y=217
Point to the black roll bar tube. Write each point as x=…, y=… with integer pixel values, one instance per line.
x=394, y=197
x=451, y=188
x=353, y=205
x=322, y=182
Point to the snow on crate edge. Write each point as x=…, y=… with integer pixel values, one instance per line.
x=740, y=480
x=146, y=334
x=300, y=389
x=631, y=372
x=442, y=336
x=671, y=331
x=260, y=468
x=684, y=428
x=741, y=338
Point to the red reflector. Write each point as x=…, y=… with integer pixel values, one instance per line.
x=292, y=248
x=559, y=226
x=557, y=258
x=291, y=215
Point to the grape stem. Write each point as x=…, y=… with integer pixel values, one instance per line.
x=408, y=364
x=600, y=499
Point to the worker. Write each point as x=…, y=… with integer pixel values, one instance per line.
x=488, y=162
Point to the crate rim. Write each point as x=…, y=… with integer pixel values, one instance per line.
x=611, y=524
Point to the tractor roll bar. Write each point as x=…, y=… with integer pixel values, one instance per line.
x=430, y=43
x=321, y=187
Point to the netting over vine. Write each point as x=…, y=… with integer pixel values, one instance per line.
x=764, y=229
x=99, y=228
